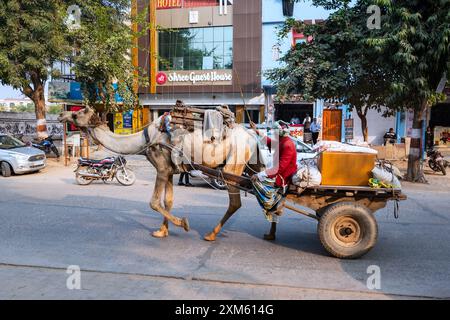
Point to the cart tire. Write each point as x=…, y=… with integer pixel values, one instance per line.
x=347, y=230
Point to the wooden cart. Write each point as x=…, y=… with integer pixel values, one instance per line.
x=347, y=227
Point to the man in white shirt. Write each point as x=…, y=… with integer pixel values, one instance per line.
x=315, y=130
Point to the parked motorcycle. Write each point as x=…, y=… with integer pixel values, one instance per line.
x=106, y=169
x=47, y=145
x=436, y=161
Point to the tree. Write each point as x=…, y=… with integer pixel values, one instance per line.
x=398, y=65
x=414, y=41
x=32, y=38
x=337, y=64
x=34, y=35
x=103, y=62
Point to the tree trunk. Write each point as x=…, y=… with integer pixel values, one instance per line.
x=364, y=128
x=40, y=111
x=362, y=114
x=415, y=170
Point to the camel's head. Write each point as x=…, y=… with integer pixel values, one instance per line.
x=83, y=118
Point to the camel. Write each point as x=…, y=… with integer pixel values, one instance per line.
x=225, y=152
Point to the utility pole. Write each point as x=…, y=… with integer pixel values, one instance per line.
x=135, y=49
x=153, y=52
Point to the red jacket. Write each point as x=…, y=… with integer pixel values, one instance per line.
x=284, y=161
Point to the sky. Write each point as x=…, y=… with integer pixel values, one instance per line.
x=8, y=92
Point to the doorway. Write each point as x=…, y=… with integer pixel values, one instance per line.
x=332, y=125
x=288, y=111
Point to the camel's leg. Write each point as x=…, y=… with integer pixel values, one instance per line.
x=155, y=204
x=163, y=230
x=234, y=205
x=168, y=204
x=271, y=235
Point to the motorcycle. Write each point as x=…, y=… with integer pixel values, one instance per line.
x=106, y=169
x=436, y=161
x=47, y=145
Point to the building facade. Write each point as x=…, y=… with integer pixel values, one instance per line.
x=9, y=104
x=208, y=53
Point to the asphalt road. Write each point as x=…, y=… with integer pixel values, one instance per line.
x=48, y=223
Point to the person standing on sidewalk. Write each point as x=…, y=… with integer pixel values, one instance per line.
x=307, y=123
x=315, y=129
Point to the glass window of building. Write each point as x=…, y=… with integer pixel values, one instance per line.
x=196, y=48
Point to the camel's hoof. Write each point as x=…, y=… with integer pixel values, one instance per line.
x=185, y=224
x=210, y=237
x=269, y=237
x=160, y=234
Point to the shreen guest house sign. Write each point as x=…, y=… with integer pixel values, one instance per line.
x=195, y=78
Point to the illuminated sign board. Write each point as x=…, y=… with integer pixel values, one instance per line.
x=195, y=78
x=169, y=4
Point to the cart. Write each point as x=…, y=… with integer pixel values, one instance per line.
x=347, y=227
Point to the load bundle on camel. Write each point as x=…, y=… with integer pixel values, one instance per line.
x=213, y=122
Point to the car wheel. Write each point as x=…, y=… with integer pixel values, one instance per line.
x=218, y=184
x=5, y=169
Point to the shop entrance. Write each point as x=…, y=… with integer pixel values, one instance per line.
x=440, y=123
x=288, y=111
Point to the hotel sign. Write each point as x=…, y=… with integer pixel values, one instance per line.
x=168, y=4
x=195, y=78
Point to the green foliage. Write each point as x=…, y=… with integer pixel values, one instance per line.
x=338, y=65
x=55, y=108
x=32, y=38
x=104, y=43
x=29, y=107
x=34, y=35
x=414, y=41
x=398, y=66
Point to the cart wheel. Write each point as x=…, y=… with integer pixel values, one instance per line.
x=347, y=230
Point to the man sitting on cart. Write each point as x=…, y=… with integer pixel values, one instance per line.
x=271, y=185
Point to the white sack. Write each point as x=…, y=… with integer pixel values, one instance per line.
x=386, y=177
x=308, y=175
x=335, y=146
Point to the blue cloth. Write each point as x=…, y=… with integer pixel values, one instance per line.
x=268, y=196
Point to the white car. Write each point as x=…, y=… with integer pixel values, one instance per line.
x=304, y=151
x=16, y=157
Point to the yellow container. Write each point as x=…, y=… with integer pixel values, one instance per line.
x=346, y=168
